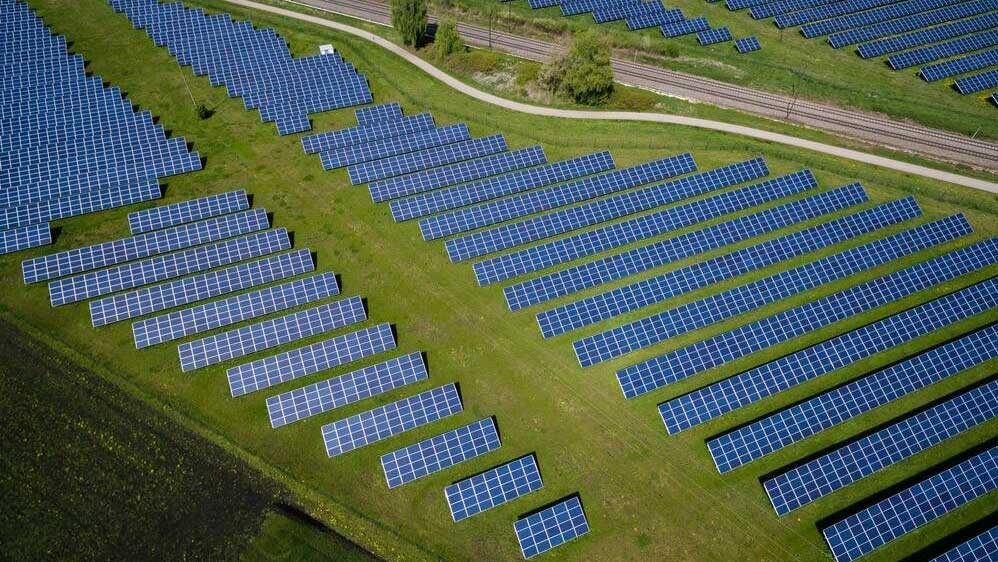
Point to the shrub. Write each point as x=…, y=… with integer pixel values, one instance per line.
x=447, y=41
x=583, y=73
x=409, y=18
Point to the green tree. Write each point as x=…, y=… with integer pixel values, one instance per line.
x=583, y=73
x=409, y=18
x=447, y=41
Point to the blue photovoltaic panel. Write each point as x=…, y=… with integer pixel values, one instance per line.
x=352, y=387
x=392, y=419
x=551, y=527
x=456, y=173
x=982, y=548
x=393, y=146
x=644, y=21
x=747, y=44
x=271, y=333
x=378, y=113
x=644, y=258
x=232, y=310
x=943, y=50
x=187, y=211
x=772, y=433
x=136, y=274
x=791, y=370
x=685, y=27
x=824, y=12
x=764, y=9
x=750, y=296
x=200, y=287
x=628, y=298
x=551, y=197
x=25, y=237
x=893, y=11
x=712, y=36
x=893, y=444
x=905, y=511
x=425, y=159
x=144, y=245
x=953, y=67
x=310, y=359
x=977, y=82
x=439, y=452
x=494, y=188
x=925, y=36
x=636, y=229
x=78, y=204
x=814, y=315
x=493, y=487
x=331, y=140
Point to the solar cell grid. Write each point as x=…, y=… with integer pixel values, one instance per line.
x=637, y=260
x=914, y=38
x=654, y=19
x=635, y=296
x=786, y=427
x=18, y=239
x=878, y=15
x=823, y=12
x=686, y=27
x=636, y=229
x=712, y=36
x=392, y=419
x=314, y=144
x=187, y=211
x=747, y=45
x=377, y=113
x=393, y=146
x=425, y=159
x=942, y=50
x=352, y=387
x=310, y=359
x=440, y=452
x=961, y=65
x=891, y=445
x=978, y=549
x=270, y=333
x=551, y=527
x=977, y=82
x=756, y=384
x=913, y=507
x=814, y=315
x=78, y=204
x=492, y=488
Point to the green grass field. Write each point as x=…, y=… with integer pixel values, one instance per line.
x=647, y=496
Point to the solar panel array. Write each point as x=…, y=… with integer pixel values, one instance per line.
x=909, y=509
x=961, y=65
x=551, y=527
x=920, y=37
x=977, y=82
x=255, y=64
x=437, y=453
x=352, y=387
x=712, y=36
x=70, y=146
x=188, y=211
x=914, y=22
x=891, y=445
x=686, y=27
x=492, y=488
x=393, y=146
x=789, y=371
x=760, y=438
x=391, y=419
x=869, y=17
x=943, y=50
x=981, y=548
x=425, y=159
x=747, y=44
x=332, y=140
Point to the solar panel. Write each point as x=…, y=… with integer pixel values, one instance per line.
x=142, y=246
x=814, y=315
x=636, y=229
x=919, y=37
x=18, y=239
x=823, y=12
x=493, y=488
x=712, y=36
x=434, y=178
x=187, y=211
x=136, y=274
x=978, y=549
x=310, y=359
x=772, y=433
x=747, y=44
x=891, y=445
x=314, y=144
x=644, y=258
x=78, y=204
x=551, y=197
x=869, y=17
x=494, y=188
x=192, y=289
x=350, y=388
x=551, y=527
x=393, y=146
x=440, y=452
x=392, y=419
x=644, y=21
x=647, y=292
x=685, y=27
x=943, y=50
x=791, y=370
x=270, y=333
x=913, y=507
x=977, y=82
x=183, y=323
x=425, y=159
x=962, y=65
x=377, y=113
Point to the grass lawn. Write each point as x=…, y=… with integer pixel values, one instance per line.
x=647, y=496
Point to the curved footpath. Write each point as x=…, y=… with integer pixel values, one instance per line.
x=760, y=134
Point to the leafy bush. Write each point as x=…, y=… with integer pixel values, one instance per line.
x=583, y=74
x=447, y=41
x=409, y=18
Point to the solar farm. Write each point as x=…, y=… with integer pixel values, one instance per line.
x=460, y=333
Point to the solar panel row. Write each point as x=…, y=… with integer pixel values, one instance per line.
x=393, y=146
x=916, y=22
x=425, y=159
x=712, y=36
x=943, y=50
x=961, y=65
x=492, y=488
x=366, y=116
x=551, y=527
x=977, y=82
x=18, y=239
x=978, y=549
x=925, y=36
x=686, y=27
x=187, y=211
x=747, y=45
x=870, y=17
x=322, y=142
x=437, y=453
